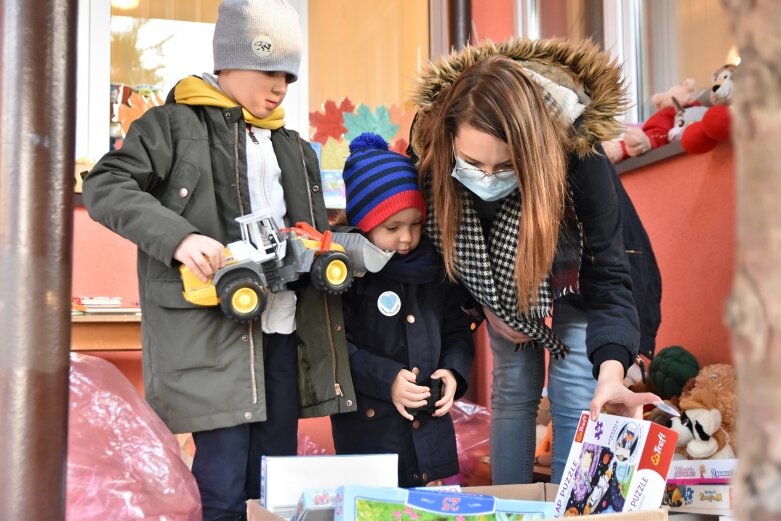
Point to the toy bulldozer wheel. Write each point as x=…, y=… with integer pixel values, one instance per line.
x=241, y=297
x=332, y=272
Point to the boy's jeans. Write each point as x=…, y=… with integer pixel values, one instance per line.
x=518, y=378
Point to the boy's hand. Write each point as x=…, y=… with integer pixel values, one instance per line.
x=202, y=255
x=405, y=393
x=449, y=386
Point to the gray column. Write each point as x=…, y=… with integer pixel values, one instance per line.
x=460, y=26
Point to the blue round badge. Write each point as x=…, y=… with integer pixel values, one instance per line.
x=389, y=303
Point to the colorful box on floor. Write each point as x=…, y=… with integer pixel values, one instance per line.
x=357, y=503
x=284, y=478
x=616, y=464
x=699, y=499
x=702, y=471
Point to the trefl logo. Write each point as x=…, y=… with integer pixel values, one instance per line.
x=657, y=455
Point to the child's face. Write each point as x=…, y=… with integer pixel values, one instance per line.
x=400, y=232
x=257, y=91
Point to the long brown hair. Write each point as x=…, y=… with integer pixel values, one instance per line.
x=497, y=97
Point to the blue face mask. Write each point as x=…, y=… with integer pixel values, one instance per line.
x=486, y=187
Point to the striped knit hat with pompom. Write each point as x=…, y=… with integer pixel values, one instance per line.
x=378, y=183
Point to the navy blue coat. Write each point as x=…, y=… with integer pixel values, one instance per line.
x=599, y=198
x=428, y=331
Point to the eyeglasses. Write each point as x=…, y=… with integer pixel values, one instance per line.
x=465, y=169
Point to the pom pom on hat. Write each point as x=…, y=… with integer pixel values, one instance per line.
x=378, y=182
x=368, y=140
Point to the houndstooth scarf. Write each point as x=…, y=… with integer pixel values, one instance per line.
x=487, y=270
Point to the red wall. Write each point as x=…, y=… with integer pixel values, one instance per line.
x=687, y=204
x=492, y=19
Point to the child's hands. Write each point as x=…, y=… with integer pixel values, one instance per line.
x=202, y=255
x=406, y=393
x=449, y=386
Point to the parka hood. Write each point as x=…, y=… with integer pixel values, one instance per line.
x=582, y=68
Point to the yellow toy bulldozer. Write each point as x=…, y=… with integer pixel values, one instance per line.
x=267, y=258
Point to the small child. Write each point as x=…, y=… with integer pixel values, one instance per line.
x=406, y=330
x=216, y=150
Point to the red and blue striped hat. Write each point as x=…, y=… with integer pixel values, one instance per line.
x=378, y=182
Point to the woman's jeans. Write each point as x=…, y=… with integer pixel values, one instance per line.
x=518, y=378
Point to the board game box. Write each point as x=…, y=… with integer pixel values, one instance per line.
x=616, y=464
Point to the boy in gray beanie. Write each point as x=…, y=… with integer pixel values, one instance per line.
x=216, y=150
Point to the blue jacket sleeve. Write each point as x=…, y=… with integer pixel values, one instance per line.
x=613, y=331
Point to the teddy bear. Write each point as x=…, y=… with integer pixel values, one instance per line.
x=708, y=403
x=654, y=132
x=716, y=123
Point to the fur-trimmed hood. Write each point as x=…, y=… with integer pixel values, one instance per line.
x=582, y=68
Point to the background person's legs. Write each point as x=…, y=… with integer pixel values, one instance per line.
x=570, y=383
x=515, y=396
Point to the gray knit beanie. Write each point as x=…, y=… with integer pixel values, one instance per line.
x=257, y=35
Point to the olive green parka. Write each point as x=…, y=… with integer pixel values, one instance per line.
x=181, y=170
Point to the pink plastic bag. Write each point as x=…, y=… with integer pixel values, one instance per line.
x=123, y=462
x=472, y=423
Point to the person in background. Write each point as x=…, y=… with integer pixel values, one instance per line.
x=216, y=150
x=407, y=333
x=522, y=204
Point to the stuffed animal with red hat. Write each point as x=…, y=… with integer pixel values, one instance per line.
x=654, y=132
x=716, y=124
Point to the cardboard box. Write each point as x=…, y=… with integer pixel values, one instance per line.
x=256, y=512
x=548, y=492
x=355, y=502
x=284, y=478
x=533, y=492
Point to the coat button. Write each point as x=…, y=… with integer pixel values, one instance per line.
x=424, y=477
x=338, y=327
x=416, y=477
x=183, y=192
x=227, y=115
x=349, y=403
x=472, y=326
x=370, y=413
x=315, y=188
x=244, y=338
x=247, y=415
x=411, y=319
x=416, y=424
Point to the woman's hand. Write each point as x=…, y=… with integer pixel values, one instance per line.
x=612, y=396
x=449, y=386
x=406, y=393
x=504, y=330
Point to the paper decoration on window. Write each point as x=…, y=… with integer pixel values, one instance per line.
x=334, y=154
x=365, y=121
x=330, y=122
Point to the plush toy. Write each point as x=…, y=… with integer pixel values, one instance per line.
x=706, y=428
x=543, y=453
x=654, y=132
x=716, y=123
x=684, y=116
x=670, y=369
